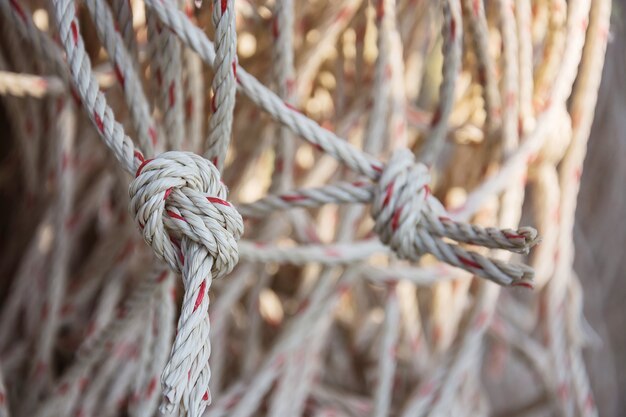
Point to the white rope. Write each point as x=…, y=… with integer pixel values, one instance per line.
x=223, y=86
x=199, y=240
x=293, y=329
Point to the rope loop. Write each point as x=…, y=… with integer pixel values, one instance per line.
x=400, y=198
x=180, y=195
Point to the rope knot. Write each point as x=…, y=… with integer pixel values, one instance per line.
x=400, y=198
x=180, y=195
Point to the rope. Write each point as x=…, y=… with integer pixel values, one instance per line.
x=293, y=328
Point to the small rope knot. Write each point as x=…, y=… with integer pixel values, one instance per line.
x=179, y=194
x=400, y=198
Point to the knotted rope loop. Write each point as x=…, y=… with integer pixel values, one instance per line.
x=400, y=198
x=412, y=223
x=179, y=194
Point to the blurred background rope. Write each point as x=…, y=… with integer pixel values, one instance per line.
x=330, y=311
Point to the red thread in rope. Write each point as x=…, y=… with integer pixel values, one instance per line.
x=41, y=83
x=436, y=117
x=388, y=194
x=428, y=191
x=275, y=30
x=29, y=127
x=235, y=70
x=426, y=389
x=188, y=107
x=200, y=296
x=291, y=86
x=18, y=10
x=396, y=218
x=72, y=221
x=143, y=164
x=476, y=7
x=64, y=388
x=343, y=14
x=162, y=277
x=380, y=9
x=175, y=215
x=65, y=161
x=41, y=368
x=511, y=98
x=482, y=76
x=74, y=28
x=98, y=121
x=343, y=289
x=583, y=24
x=291, y=107
x=171, y=94
x=303, y=305
x=452, y=28
x=604, y=32
x=578, y=174
x=75, y=96
x=292, y=198
x=469, y=262
x=216, y=200
x=151, y=387
x=153, y=135
x=59, y=104
x=311, y=234
x=279, y=165
x=481, y=319
x=138, y=155
x=119, y=76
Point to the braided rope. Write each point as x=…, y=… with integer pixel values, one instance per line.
x=223, y=86
x=124, y=15
x=126, y=74
x=452, y=33
x=282, y=54
x=201, y=244
x=168, y=61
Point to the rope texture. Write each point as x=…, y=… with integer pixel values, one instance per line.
x=532, y=126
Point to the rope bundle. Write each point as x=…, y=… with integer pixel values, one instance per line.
x=320, y=334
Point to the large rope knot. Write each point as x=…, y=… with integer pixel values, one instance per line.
x=400, y=197
x=179, y=195
x=412, y=222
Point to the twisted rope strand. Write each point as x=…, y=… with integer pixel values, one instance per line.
x=126, y=74
x=224, y=85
